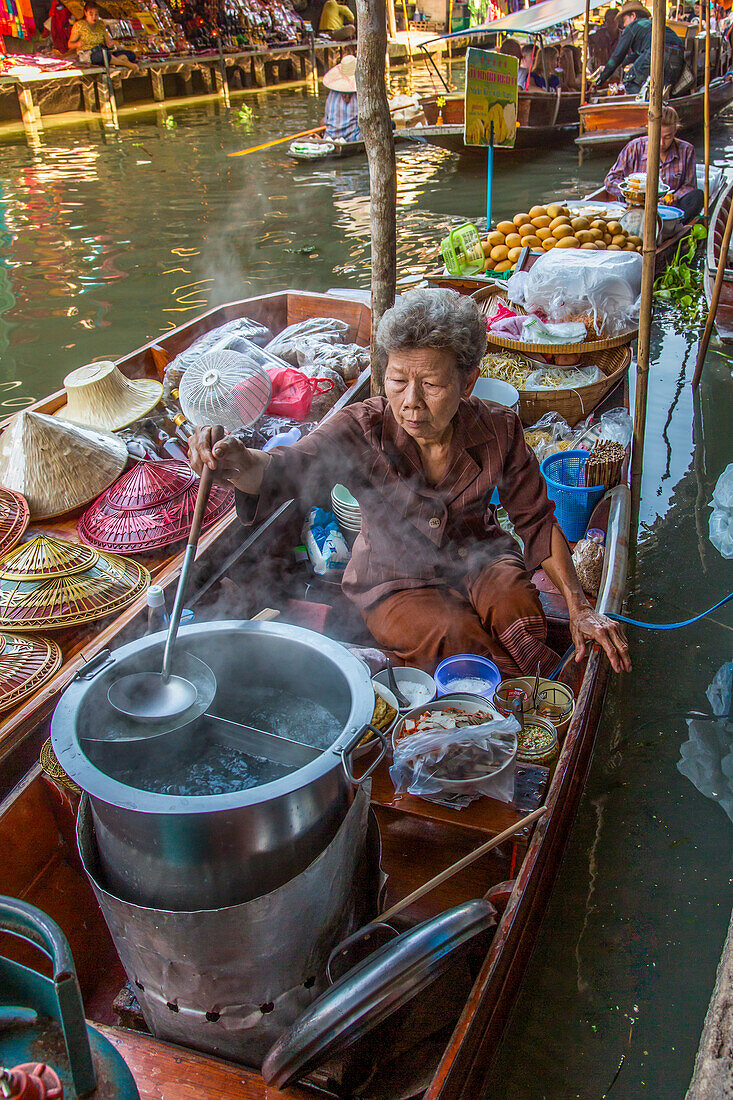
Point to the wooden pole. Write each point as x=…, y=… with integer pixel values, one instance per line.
x=584, y=66
x=715, y=296
x=376, y=129
x=391, y=20
x=659, y=15
x=706, y=207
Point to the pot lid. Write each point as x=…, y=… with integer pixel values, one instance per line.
x=25, y=665
x=57, y=466
x=97, y=584
x=150, y=483
x=44, y=557
x=373, y=991
x=132, y=529
x=14, y=516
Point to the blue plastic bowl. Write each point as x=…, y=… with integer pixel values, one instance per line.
x=574, y=503
x=463, y=666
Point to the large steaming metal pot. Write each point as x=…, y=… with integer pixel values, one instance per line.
x=193, y=852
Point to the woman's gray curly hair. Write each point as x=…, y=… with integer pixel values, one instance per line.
x=435, y=319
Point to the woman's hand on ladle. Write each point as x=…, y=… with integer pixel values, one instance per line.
x=229, y=460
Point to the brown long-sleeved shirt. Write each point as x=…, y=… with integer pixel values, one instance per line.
x=415, y=534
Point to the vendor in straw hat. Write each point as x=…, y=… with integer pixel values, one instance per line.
x=341, y=115
x=634, y=48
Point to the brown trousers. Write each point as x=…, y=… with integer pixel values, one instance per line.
x=496, y=613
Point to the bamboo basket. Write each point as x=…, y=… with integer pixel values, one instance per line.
x=488, y=302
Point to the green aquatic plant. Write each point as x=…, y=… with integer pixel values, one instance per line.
x=245, y=115
x=681, y=284
x=170, y=122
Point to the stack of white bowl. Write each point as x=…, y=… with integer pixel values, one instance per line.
x=347, y=511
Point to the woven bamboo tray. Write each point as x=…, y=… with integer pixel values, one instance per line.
x=488, y=302
x=575, y=405
x=14, y=517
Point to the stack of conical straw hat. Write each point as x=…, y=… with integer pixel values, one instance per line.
x=25, y=665
x=57, y=466
x=49, y=583
x=14, y=516
x=99, y=395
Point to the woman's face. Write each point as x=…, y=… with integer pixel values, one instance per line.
x=91, y=15
x=424, y=387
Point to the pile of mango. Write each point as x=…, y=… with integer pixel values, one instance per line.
x=553, y=226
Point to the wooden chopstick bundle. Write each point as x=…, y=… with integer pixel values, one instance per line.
x=603, y=464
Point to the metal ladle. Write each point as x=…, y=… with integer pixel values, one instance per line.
x=157, y=696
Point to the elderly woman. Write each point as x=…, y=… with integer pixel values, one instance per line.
x=432, y=572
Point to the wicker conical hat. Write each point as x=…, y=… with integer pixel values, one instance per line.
x=48, y=584
x=25, y=665
x=14, y=516
x=99, y=396
x=57, y=466
x=149, y=507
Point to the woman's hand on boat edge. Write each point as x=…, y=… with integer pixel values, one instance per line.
x=230, y=461
x=588, y=626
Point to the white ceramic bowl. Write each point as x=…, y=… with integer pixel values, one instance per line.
x=495, y=389
x=409, y=681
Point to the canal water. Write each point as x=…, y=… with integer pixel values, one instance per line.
x=108, y=239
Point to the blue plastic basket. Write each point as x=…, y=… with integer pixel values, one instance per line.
x=574, y=503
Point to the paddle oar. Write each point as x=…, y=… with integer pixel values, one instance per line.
x=277, y=141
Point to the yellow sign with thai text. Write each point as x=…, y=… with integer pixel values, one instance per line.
x=491, y=98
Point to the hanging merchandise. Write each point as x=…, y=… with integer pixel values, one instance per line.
x=149, y=507
x=16, y=19
x=14, y=516
x=57, y=466
x=99, y=396
x=25, y=665
x=48, y=584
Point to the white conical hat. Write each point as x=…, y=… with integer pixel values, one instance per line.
x=99, y=396
x=57, y=466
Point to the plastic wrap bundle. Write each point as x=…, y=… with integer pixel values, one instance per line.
x=319, y=330
x=347, y=360
x=226, y=335
x=706, y=757
x=563, y=284
x=721, y=521
x=563, y=378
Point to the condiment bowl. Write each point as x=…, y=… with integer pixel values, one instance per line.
x=410, y=681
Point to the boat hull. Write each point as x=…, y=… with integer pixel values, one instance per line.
x=724, y=314
x=609, y=124
x=544, y=118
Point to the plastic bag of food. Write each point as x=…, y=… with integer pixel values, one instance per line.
x=617, y=427
x=326, y=546
x=442, y=757
x=348, y=360
x=564, y=283
x=588, y=562
x=293, y=392
x=561, y=378
x=550, y=434
x=329, y=330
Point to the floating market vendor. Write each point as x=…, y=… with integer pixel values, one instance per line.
x=634, y=48
x=432, y=572
x=341, y=114
x=677, y=167
x=337, y=21
x=92, y=42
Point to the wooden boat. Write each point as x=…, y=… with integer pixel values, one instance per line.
x=329, y=150
x=544, y=119
x=609, y=122
x=82, y=644
x=41, y=864
x=724, y=315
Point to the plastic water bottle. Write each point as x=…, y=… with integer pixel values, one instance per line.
x=283, y=439
x=157, y=618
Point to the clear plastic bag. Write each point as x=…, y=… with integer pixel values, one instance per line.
x=455, y=765
x=564, y=283
x=567, y=378
x=723, y=491
x=617, y=427
x=328, y=330
x=233, y=334
x=348, y=360
x=550, y=434
x=721, y=520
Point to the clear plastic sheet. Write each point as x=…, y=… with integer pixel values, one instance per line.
x=721, y=520
x=348, y=360
x=428, y=764
x=563, y=284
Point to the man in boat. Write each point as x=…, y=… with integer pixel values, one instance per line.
x=602, y=42
x=634, y=48
x=432, y=572
x=337, y=21
x=677, y=167
x=341, y=115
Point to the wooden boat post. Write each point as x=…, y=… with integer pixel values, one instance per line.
x=706, y=207
x=649, y=256
x=715, y=296
x=584, y=74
